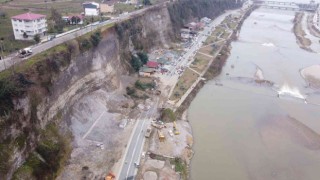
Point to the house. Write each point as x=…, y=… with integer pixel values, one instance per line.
x=193, y=26
x=107, y=6
x=146, y=72
x=162, y=61
x=26, y=26
x=185, y=33
x=152, y=64
x=73, y=19
x=205, y=20
x=91, y=9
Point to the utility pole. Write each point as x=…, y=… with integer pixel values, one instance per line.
x=2, y=47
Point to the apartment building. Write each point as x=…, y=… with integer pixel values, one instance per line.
x=26, y=26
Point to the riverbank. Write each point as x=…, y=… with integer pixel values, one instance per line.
x=215, y=68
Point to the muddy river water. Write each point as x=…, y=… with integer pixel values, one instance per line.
x=242, y=129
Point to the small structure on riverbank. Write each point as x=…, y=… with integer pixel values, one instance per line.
x=146, y=71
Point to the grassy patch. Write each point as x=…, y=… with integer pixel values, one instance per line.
x=200, y=62
x=181, y=167
x=185, y=81
x=217, y=31
x=167, y=115
x=211, y=39
x=121, y=7
x=65, y=7
x=211, y=49
x=225, y=35
x=144, y=85
x=232, y=25
x=103, y=28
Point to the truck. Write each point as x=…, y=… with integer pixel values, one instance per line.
x=110, y=176
x=25, y=52
x=148, y=132
x=175, y=129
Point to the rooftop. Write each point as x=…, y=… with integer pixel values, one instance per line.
x=147, y=70
x=152, y=64
x=28, y=16
x=91, y=5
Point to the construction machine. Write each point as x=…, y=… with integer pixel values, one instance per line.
x=110, y=176
x=175, y=129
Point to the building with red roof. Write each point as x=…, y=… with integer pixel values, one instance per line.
x=26, y=26
x=152, y=64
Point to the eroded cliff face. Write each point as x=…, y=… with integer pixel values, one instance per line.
x=37, y=100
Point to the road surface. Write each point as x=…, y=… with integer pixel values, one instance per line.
x=135, y=145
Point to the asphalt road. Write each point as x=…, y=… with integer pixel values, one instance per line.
x=135, y=145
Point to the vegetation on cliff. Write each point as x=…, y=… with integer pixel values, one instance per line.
x=49, y=157
x=32, y=80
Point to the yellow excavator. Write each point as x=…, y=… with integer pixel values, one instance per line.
x=175, y=130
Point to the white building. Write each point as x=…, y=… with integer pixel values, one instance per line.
x=26, y=26
x=91, y=9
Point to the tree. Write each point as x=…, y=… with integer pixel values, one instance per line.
x=95, y=38
x=75, y=20
x=143, y=57
x=57, y=22
x=146, y=2
x=3, y=14
x=25, y=35
x=36, y=38
x=135, y=63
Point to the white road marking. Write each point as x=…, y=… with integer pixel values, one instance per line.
x=90, y=129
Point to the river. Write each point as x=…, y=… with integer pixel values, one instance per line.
x=242, y=129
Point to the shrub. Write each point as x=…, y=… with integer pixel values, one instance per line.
x=167, y=115
x=95, y=38
x=84, y=44
x=143, y=86
x=130, y=91
x=135, y=63
x=36, y=38
x=143, y=57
